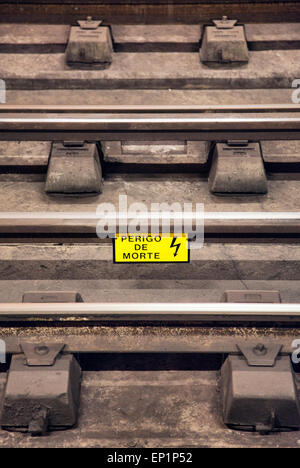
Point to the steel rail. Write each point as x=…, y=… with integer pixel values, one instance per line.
x=149, y=121
x=209, y=215
x=152, y=312
x=16, y=108
x=152, y=125
x=81, y=223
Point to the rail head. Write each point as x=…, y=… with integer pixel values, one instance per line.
x=204, y=223
x=154, y=109
x=162, y=122
x=152, y=312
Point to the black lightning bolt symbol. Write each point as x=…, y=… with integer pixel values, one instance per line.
x=175, y=245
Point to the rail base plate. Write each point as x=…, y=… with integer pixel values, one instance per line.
x=40, y=398
x=74, y=169
x=237, y=167
x=259, y=398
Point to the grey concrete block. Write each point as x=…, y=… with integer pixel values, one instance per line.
x=256, y=397
x=224, y=45
x=237, y=170
x=30, y=389
x=74, y=170
x=89, y=47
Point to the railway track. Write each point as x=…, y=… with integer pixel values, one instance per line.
x=153, y=345
x=163, y=313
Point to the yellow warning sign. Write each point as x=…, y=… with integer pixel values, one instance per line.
x=133, y=248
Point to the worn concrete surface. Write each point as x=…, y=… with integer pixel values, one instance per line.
x=36, y=153
x=171, y=153
x=150, y=409
x=53, y=38
x=149, y=290
x=155, y=153
x=279, y=151
x=209, y=265
x=150, y=96
x=131, y=36
x=283, y=195
x=272, y=32
x=168, y=152
x=266, y=69
x=11, y=33
x=24, y=153
x=178, y=153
